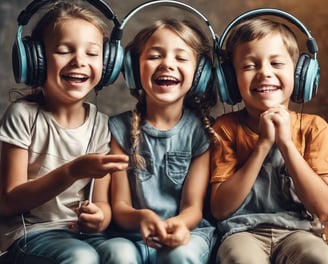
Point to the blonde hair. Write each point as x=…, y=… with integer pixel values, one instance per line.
x=258, y=28
x=61, y=11
x=191, y=34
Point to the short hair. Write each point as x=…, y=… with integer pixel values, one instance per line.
x=258, y=28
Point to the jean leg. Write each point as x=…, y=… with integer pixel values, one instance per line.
x=55, y=246
x=197, y=250
x=122, y=251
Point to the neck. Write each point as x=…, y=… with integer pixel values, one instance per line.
x=164, y=118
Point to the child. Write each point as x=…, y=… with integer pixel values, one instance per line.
x=53, y=143
x=269, y=170
x=158, y=202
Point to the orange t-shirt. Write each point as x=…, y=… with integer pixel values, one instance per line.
x=309, y=133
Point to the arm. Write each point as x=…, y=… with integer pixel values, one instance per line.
x=123, y=212
x=95, y=215
x=226, y=197
x=311, y=188
x=18, y=194
x=191, y=205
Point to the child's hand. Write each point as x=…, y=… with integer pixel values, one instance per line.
x=266, y=128
x=90, y=218
x=281, y=120
x=177, y=233
x=152, y=229
x=97, y=165
x=276, y=124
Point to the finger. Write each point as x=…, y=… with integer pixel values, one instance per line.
x=154, y=242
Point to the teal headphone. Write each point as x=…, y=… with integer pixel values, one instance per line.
x=28, y=58
x=130, y=69
x=307, y=71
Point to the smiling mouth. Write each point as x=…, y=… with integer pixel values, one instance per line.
x=75, y=77
x=166, y=81
x=266, y=89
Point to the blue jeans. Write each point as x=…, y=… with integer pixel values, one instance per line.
x=60, y=246
x=125, y=251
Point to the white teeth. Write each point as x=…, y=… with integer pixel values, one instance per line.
x=266, y=89
x=77, y=76
x=166, y=78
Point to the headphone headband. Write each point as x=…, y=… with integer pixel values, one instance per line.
x=118, y=31
x=26, y=14
x=311, y=42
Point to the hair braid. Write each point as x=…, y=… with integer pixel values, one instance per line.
x=137, y=117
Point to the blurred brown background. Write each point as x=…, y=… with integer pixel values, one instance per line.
x=116, y=98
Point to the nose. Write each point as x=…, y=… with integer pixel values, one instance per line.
x=264, y=71
x=167, y=63
x=78, y=59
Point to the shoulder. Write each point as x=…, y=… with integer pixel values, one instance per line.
x=120, y=127
x=101, y=118
x=310, y=122
x=231, y=119
x=20, y=111
x=121, y=120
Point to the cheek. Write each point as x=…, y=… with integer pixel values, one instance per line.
x=243, y=80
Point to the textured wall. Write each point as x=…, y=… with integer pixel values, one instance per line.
x=116, y=98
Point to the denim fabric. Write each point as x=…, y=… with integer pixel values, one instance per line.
x=168, y=155
x=60, y=246
x=125, y=251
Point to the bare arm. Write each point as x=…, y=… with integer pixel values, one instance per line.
x=228, y=196
x=311, y=188
x=124, y=214
x=18, y=195
x=194, y=191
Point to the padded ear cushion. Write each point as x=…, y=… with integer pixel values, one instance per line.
x=112, y=63
x=299, y=78
x=311, y=80
x=307, y=74
x=35, y=63
x=227, y=83
x=202, y=76
x=131, y=71
x=30, y=61
x=41, y=64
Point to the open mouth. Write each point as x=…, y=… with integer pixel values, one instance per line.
x=266, y=89
x=167, y=81
x=75, y=77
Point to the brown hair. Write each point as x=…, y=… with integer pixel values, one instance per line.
x=258, y=28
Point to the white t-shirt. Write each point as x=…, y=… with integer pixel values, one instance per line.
x=49, y=146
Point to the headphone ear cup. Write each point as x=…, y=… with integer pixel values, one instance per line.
x=41, y=65
x=202, y=76
x=131, y=71
x=227, y=83
x=35, y=63
x=112, y=63
x=306, y=79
